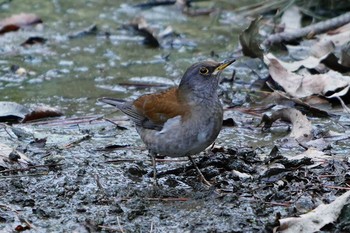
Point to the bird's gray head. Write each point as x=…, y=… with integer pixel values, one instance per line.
x=201, y=79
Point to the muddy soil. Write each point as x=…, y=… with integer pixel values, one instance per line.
x=96, y=176
x=85, y=174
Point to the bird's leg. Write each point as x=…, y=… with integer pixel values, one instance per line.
x=199, y=172
x=155, y=181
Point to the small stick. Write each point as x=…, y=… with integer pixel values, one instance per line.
x=152, y=226
x=166, y=199
x=138, y=160
x=18, y=176
x=120, y=226
x=336, y=187
x=108, y=228
x=30, y=167
x=316, y=28
x=199, y=172
x=85, y=137
x=99, y=185
x=154, y=170
x=277, y=204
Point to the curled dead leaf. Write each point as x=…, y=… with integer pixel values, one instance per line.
x=300, y=86
x=140, y=26
x=14, y=112
x=18, y=21
x=42, y=112
x=301, y=126
x=9, y=156
x=249, y=40
x=314, y=220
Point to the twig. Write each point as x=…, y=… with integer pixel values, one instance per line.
x=109, y=228
x=287, y=204
x=277, y=204
x=152, y=227
x=98, y=183
x=326, y=176
x=30, y=167
x=6, y=128
x=110, y=121
x=22, y=219
x=71, y=121
x=336, y=187
x=346, y=109
x=120, y=226
x=166, y=199
x=85, y=137
x=18, y=176
x=316, y=28
x=138, y=160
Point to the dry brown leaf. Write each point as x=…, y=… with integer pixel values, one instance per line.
x=301, y=126
x=314, y=220
x=18, y=21
x=320, y=52
x=310, y=62
x=313, y=154
x=140, y=26
x=306, y=85
x=14, y=112
x=249, y=40
x=345, y=54
x=322, y=48
x=338, y=36
x=315, y=108
x=42, y=112
x=9, y=156
x=317, y=53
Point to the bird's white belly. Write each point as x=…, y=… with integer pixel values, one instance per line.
x=178, y=138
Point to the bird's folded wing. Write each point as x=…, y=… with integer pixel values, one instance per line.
x=156, y=109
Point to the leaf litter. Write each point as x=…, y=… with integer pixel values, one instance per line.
x=255, y=188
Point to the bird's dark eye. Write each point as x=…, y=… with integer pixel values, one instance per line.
x=203, y=70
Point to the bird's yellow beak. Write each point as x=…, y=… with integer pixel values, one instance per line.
x=224, y=64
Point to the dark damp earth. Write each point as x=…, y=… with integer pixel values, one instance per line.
x=89, y=175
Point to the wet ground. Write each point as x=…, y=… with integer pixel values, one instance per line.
x=89, y=175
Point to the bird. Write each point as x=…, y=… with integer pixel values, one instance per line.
x=181, y=121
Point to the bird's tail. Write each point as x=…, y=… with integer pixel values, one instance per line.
x=112, y=101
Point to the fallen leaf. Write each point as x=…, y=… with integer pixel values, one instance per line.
x=320, y=52
x=339, y=36
x=329, y=85
x=310, y=62
x=8, y=28
x=318, y=110
x=314, y=220
x=229, y=122
x=18, y=21
x=9, y=156
x=312, y=153
x=33, y=40
x=250, y=42
x=332, y=62
x=301, y=126
x=140, y=25
x=90, y=30
x=345, y=54
x=42, y=112
x=14, y=112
